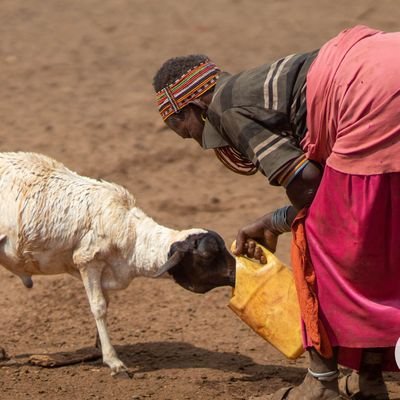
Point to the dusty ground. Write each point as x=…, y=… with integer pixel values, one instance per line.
x=76, y=85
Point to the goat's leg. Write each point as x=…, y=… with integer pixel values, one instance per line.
x=91, y=278
x=97, y=343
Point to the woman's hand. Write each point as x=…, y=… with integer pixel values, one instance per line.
x=259, y=231
x=253, y=250
x=301, y=192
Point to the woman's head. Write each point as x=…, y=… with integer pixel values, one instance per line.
x=174, y=68
x=184, y=88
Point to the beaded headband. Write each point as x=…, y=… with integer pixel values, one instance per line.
x=193, y=84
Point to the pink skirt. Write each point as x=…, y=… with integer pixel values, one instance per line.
x=353, y=236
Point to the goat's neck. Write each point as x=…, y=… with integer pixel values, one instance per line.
x=153, y=243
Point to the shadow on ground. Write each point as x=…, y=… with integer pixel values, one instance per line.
x=152, y=356
x=155, y=356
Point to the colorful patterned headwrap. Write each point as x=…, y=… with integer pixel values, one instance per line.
x=193, y=84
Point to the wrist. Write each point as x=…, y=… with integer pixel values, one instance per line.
x=280, y=221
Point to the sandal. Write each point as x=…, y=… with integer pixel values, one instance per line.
x=346, y=393
x=325, y=378
x=282, y=394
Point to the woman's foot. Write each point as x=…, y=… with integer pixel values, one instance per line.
x=321, y=382
x=356, y=386
x=368, y=384
x=310, y=389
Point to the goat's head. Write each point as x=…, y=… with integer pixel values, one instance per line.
x=201, y=262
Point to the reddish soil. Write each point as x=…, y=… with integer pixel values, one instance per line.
x=76, y=85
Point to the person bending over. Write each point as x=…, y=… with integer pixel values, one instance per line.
x=325, y=126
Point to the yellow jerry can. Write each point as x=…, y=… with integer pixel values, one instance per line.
x=265, y=298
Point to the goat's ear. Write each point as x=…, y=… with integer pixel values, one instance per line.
x=175, y=259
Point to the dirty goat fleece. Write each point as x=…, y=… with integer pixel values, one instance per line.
x=55, y=221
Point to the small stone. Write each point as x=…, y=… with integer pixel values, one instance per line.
x=215, y=200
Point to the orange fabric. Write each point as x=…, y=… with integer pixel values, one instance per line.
x=304, y=277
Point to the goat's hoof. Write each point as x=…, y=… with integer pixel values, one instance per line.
x=119, y=369
x=123, y=374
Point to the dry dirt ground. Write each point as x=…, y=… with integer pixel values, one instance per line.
x=76, y=85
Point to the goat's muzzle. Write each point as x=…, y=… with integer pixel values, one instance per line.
x=201, y=262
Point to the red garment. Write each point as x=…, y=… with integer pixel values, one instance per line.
x=353, y=103
x=353, y=237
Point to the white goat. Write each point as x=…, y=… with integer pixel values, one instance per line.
x=54, y=221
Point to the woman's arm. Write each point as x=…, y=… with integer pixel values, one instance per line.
x=301, y=192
